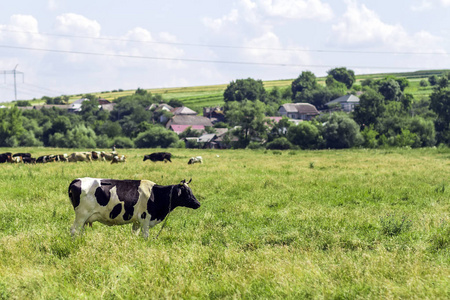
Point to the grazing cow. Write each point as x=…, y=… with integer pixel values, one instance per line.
x=108, y=157
x=22, y=154
x=62, y=157
x=16, y=159
x=159, y=156
x=193, y=160
x=80, y=156
x=29, y=160
x=45, y=159
x=117, y=159
x=5, y=157
x=97, y=155
x=118, y=202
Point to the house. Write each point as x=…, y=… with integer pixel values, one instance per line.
x=298, y=111
x=183, y=110
x=76, y=105
x=216, y=140
x=179, y=123
x=215, y=114
x=159, y=110
x=108, y=106
x=103, y=101
x=347, y=102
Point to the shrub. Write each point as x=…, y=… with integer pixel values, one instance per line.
x=156, y=137
x=123, y=142
x=281, y=143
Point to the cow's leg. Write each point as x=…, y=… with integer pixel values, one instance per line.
x=136, y=227
x=145, y=225
x=80, y=221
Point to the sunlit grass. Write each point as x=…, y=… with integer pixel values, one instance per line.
x=270, y=226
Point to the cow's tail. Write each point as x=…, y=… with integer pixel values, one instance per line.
x=75, y=192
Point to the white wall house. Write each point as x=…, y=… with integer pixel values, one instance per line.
x=298, y=111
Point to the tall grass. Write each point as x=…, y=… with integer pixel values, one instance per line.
x=270, y=226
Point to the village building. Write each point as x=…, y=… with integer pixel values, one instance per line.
x=346, y=103
x=298, y=111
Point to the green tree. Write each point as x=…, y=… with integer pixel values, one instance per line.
x=440, y=104
x=111, y=129
x=371, y=107
x=433, y=80
x=423, y=83
x=391, y=90
x=343, y=75
x=340, y=131
x=242, y=89
x=11, y=126
x=424, y=130
x=157, y=136
x=403, y=83
x=306, y=135
x=175, y=103
x=141, y=92
x=370, y=137
x=250, y=119
x=305, y=81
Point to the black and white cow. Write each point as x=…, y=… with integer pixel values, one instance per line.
x=118, y=202
x=158, y=156
x=22, y=154
x=193, y=160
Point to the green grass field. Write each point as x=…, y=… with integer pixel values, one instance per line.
x=347, y=224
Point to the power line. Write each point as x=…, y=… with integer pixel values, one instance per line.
x=230, y=47
x=204, y=60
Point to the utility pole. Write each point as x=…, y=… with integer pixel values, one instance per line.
x=14, y=72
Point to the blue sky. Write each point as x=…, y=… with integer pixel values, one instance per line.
x=71, y=47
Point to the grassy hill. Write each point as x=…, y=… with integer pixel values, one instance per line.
x=196, y=97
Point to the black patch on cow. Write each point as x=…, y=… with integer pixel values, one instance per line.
x=127, y=191
x=158, y=204
x=144, y=215
x=129, y=210
x=115, y=211
x=75, y=192
x=102, y=195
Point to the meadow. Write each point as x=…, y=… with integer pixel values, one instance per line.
x=329, y=224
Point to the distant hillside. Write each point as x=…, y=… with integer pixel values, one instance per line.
x=197, y=97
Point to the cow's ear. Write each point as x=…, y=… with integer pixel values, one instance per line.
x=189, y=181
x=183, y=182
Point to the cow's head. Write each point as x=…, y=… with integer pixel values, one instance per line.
x=183, y=195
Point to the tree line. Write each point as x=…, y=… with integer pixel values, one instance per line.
x=385, y=117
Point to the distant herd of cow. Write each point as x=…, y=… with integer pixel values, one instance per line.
x=88, y=156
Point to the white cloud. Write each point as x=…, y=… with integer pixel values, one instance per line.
x=429, y=4
x=52, y=4
x=263, y=49
x=297, y=9
x=75, y=24
x=362, y=27
x=423, y=5
x=219, y=23
x=22, y=30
